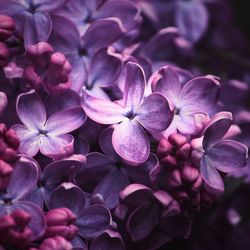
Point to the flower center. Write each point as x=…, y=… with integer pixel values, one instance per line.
x=43, y=132
x=130, y=114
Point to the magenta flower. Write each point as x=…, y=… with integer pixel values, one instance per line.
x=47, y=135
x=132, y=116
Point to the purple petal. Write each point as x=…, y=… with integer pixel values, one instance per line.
x=47, y=5
x=107, y=241
x=29, y=140
x=105, y=142
x=23, y=179
x=111, y=186
x=210, y=175
x=37, y=222
x=105, y=67
x=96, y=37
x=199, y=95
x=65, y=121
x=57, y=147
x=70, y=196
x=102, y=111
x=142, y=222
x=217, y=128
x=64, y=43
x=227, y=156
x=155, y=114
x=135, y=195
x=59, y=171
x=37, y=28
x=168, y=84
x=93, y=221
x=127, y=12
x=3, y=102
x=31, y=111
x=135, y=84
x=131, y=142
x=187, y=14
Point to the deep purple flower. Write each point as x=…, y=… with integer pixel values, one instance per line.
x=108, y=240
x=32, y=20
x=22, y=182
x=219, y=154
x=49, y=135
x=199, y=95
x=145, y=209
x=131, y=114
x=108, y=171
x=91, y=220
x=80, y=51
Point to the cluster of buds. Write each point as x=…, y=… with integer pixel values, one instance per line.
x=179, y=176
x=14, y=231
x=60, y=222
x=9, y=144
x=7, y=28
x=49, y=69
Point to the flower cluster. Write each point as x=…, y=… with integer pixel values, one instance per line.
x=112, y=134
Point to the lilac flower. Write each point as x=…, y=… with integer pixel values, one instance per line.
x=220, y=154
x=105, y=172
x=109, y=239
x=32, y=20
x=53, y=175
x=146, y=209
x=80, y=50
x=22, y=182
x=134, y=112
x=198, y=95
x=91, y=220
x=83, y=12
x=45, y=134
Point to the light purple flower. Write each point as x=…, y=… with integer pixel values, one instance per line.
x=47, y=135
x=198, y=95
x=3, y=102
x=133, y=115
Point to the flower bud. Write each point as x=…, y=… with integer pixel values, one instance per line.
x=60, y=222
x=55, y=243
x=5, y=174
x=7, y=27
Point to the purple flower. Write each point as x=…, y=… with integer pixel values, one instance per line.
x=91, y=220
x=105, y=172
x=49, y=135
x=132, y=115
x=32, y=20
x=220, y=154
x=22, y=182
x=199, y=95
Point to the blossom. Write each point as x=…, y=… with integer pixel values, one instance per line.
x=49, y=135
x=198, y=95
x=131, y=115
x=220, y=154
